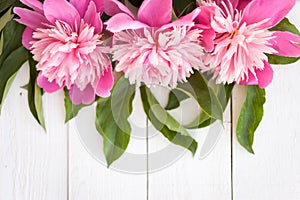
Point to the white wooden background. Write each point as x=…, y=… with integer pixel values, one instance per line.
x=35, y=165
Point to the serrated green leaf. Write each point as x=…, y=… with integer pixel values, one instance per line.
x=112, y=119
x=165, y=123
x=10, y=66
x=197, y=88
x=35, y=93
x=284, y=25
x=175, y=97
x=250, y=116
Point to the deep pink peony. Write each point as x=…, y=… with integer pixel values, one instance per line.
x=65, y=39
x=151, y=49
x=236, y=36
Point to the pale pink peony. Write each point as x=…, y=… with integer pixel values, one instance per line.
x=65, y=39
x=151, y=49
x=238, y=38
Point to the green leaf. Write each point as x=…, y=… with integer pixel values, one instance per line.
x=199, y=121
x=71, y=109
x=284, y=25
x=12, y=56
x=5, y=5
x=197, y=88
x=175, y=97
x=1, y=43
x=112, y=119
x=165, y=123
x=7, y=87
x=10, y=66
x=250, y=116
x=5, y=18
x=281, y=60
x=203, y=120
x=12, y=39
x=35, y=93
x=184, y=7
x=224, y=94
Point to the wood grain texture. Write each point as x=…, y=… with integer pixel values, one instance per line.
x=188, y=177
x=33, y=164
x=274, y=172
x=57, y=166
x=90, y=180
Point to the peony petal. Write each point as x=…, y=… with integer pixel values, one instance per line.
x=87, y=96
x=228, y=3
x=105, y=84
x=49, y=87
x=99, y=5
x=242, y=4
x=204, y=16
x=61, y=10
x=155, y=13
x=122, y=21
x=203, y=22
x=80, y=5
x=251, y=80
x=27, y=38
x=286, y=44
x=187, y=20
x=274, y=10
x=191, y=16
x=30, y=18
x=34, y=4
x=264, y=77
x=93, y=18
x=235, y=3
x=113, y=7
x=207, y=39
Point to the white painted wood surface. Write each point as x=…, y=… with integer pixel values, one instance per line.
x=191, y=178
x=35, y=165
x=274, y=172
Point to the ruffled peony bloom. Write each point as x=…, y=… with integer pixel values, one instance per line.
x=151, y=49
x=65, y=39
x=238, y=38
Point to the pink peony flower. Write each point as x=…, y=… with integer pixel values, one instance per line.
x=65, y=39
x=238, y=38
x=151, y=49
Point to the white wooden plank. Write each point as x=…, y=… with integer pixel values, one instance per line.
x=89, y=177
x=188, y=177
x=33, y=164
x=274, y=172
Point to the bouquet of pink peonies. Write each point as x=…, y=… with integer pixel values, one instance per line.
x=100, y=51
